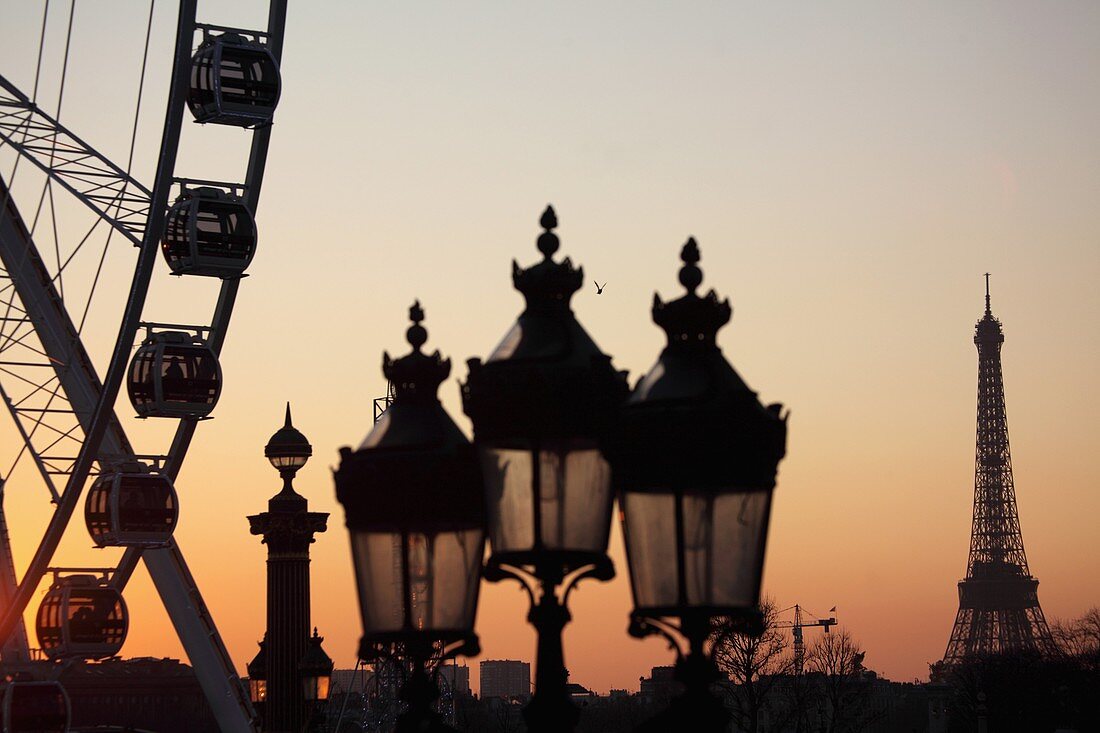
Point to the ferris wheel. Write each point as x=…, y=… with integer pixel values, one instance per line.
x=63, y=403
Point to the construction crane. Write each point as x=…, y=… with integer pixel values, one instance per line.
x=796, y=632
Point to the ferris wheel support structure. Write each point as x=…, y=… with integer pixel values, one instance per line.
x=90, y=402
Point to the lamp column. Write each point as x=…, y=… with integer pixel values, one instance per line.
x=287, y=528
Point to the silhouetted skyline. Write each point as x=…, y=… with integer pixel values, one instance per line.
x=850, y=173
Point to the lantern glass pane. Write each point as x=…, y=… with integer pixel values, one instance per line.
x=257, y=690
x=507, y=475
x=443, y=573
x=444, y=570
x=378, y=571
x=573, y=493
x=649, y=527
x=288, y=461
x=735, y=527
x=722, y=554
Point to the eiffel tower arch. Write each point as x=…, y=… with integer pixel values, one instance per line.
x=998, y=599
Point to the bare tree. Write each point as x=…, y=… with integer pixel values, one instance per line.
x=753, y=666
x=838, y=658
x=1079, y=639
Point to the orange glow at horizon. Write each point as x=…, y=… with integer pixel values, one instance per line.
x=846, y=192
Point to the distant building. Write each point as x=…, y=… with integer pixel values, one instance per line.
x=505, y=678
x=350, y=680
x=457, y=678
x=579, y=693
x=661, y=684
x=144, y=693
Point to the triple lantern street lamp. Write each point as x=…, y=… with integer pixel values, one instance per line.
x=691, y=455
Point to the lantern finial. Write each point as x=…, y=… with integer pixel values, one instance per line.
x=690, y=274
x=691, y=320
x=548, y=242
x=548, y=285
x=416, y=373
x=416, y=334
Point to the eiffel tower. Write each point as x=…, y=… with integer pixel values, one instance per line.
x=998, y=600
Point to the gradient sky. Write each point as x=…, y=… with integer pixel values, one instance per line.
x=849, y=173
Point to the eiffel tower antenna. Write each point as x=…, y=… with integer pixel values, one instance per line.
x=998, y=600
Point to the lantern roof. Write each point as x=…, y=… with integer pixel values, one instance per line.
x=415, y=468
x=548, y=285
x=691, y=320
x=547, y=378
x=692, y=365
x=416, y=376
x=288, y=441
x=257, y=668
x=692, y=420
x=315, y=662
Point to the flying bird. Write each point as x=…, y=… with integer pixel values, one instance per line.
x=599, y=288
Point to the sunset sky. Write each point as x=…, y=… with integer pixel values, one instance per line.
x=849, y=173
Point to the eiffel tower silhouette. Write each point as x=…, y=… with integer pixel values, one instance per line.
x=998, y=600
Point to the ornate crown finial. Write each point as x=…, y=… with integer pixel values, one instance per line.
x=416, y=374
x=548, y=284
x=690, y=275
x=548, y=242
x=691, y=320
x=417, y=334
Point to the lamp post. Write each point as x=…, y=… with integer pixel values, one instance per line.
x=257, y=678
x=316, y=670
x=414, y=508
x=542, y=407
x=288, y=528
x=695, y=466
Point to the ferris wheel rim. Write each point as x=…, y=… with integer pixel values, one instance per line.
x=103, y=420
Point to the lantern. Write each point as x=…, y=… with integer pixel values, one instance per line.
x=316, y=670
x=174, y=374
x=257, y=675
x=81, y=616
x=697, y=469
x=133, y=508
x=412, y=497
x=288, y=450
x=209, y=232
x=542, y=405
x=234, y=81
x=695, y=465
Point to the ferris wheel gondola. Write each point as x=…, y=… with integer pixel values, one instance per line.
x=34, y=707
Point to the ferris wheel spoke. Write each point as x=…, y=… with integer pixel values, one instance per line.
x=67, y=420
x=75, y=165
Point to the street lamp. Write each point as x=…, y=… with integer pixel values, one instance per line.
x=542, y=407
x=413, y=501
x=288, y=450
x=695, y=466
x=257, y=676
x=316, y=670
